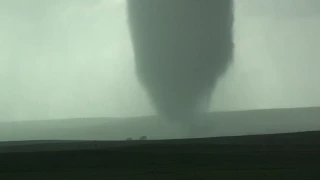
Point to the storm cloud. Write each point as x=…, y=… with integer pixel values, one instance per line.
x=181, y=48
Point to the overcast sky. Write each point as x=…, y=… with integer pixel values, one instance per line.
x=73, y=58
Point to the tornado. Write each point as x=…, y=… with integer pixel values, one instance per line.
x=181, y=49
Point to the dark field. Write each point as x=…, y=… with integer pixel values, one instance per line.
x=242, y=157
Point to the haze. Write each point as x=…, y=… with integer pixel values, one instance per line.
x=65, y=59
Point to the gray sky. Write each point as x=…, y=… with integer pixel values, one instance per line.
x=63, y=59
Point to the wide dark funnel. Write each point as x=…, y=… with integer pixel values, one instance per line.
x=181, y=49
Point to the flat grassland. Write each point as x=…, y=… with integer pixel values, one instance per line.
x=242, y=157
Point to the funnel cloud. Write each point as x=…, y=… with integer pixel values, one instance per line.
x=181, y=49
